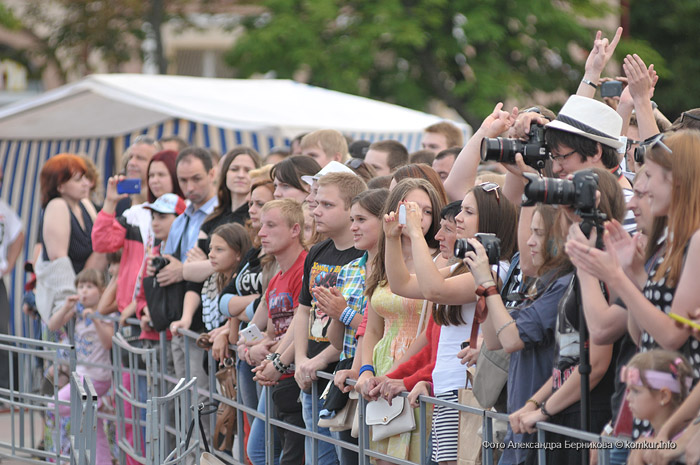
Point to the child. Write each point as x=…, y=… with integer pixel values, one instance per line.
x=93, y=341
x=657, y=383
x=229, y=243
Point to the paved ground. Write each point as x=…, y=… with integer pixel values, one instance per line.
x=6, y=428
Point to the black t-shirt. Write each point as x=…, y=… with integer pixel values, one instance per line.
x=248, y=277
x=566, y=354
x=321, y=269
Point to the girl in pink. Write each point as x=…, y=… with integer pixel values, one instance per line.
x=93, y=341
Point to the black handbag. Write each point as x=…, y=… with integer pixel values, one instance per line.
x=336, y=399
x=164, y=303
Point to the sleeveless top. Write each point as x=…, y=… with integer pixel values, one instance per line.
x=661, y=296
x=80, y=242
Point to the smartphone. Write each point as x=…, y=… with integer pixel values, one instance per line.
x=685, y=321
x=251, y=333
x=611, y=89
x=203, y=244
x=402, y=214
x=129, y=186
x=464, y=345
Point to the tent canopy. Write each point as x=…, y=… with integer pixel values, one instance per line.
x=114, y=104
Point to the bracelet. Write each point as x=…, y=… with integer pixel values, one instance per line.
x=590, y=83
x=482, y=291
x=272, y=356
x=347, y=316
x=534, y=402
x=504, y=327
x=544, y=411
x=279, y=366
x=366, y=368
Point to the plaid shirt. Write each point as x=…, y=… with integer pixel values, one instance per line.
x=351, y=283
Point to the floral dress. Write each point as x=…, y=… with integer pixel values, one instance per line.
x=402, y=317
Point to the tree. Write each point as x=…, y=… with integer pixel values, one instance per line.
x=668, y=27
x=469, y=54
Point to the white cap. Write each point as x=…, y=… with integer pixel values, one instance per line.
x=332, y=167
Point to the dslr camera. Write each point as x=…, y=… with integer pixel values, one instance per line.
x=502, y=150
x=491, y=243
x=578, y=193
x=159, y=263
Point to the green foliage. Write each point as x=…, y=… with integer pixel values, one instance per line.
x=669, y=27
x=7, y=19
x=470, y=54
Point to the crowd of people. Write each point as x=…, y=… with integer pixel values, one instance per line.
x=400, y=271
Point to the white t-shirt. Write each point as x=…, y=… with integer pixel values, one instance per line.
x=10, y=227
x=449, y=374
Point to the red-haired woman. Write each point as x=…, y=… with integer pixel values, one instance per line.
x=66, y=250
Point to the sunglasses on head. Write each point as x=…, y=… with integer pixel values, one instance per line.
x=491, y=187
x=641, y=151
x=686, y=114
x=354, y=163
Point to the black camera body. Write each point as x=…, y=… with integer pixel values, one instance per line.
x=578, y=193
x=502, y=150
x=158, y=263
x=491, y=243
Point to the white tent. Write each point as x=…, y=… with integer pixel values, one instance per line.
x=101, y=114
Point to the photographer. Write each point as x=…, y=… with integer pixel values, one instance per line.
x=558, y=400
x=527, y=332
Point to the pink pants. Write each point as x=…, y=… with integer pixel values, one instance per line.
x=102, y=452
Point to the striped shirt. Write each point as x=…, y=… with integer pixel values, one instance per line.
x=351, y=283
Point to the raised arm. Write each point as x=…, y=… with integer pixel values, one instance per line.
x=641, y=81
x=464, y=170
x=601, y=53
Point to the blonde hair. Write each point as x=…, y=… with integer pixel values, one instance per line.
x=330, y=141
x=92, y=276
x=291, y=211
x=665, y=361
x=349, y=185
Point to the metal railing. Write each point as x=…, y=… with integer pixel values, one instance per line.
x=83, y=414
x=161, y=380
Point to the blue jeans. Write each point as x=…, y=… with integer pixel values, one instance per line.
x=256, y=438
x=326, y=451
x=247, y=388
x=618, y=456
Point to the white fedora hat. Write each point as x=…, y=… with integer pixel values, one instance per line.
x=591, y=119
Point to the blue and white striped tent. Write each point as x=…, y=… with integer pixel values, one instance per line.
x=100, y=115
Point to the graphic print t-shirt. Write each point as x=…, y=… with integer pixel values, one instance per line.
x=283, y=296
x=321, y=270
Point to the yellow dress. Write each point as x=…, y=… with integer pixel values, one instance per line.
x=401, y=319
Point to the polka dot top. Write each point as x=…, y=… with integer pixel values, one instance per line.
x=661, y=296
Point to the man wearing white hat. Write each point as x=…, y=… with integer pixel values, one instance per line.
x=585, y=134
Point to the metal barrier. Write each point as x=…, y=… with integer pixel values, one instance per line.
x=158, y=426
x=183, y=397
x=127, y=361
x=83, y=414
x=26, y=400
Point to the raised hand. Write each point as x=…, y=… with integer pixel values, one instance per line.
x=499, y=121
x=601, y=53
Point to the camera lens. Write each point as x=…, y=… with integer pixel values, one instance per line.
x=500, y=150
x=551, y=191
x=461, y=248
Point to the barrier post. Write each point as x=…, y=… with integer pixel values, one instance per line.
x=422, y=423
x=541, y=452
x=269, y=434
x=314, y=420
x=487, y=435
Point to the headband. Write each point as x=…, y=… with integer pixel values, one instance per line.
x=655, y=379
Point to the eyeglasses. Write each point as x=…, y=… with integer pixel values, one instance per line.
x=630, y=143
x=491, y=187
x=143, y=139
x=689, y=115
x=641, y=151
x=354, y=163
x=561, y=158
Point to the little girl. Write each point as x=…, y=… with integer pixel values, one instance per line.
x=93, y=341
x=657, y=383
x=229, y=242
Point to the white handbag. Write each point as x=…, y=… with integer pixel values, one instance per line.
x=389, y=420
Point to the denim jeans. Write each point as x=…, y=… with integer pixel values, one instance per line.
x=326, y=451
x=247, y=388
x=256, y=438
